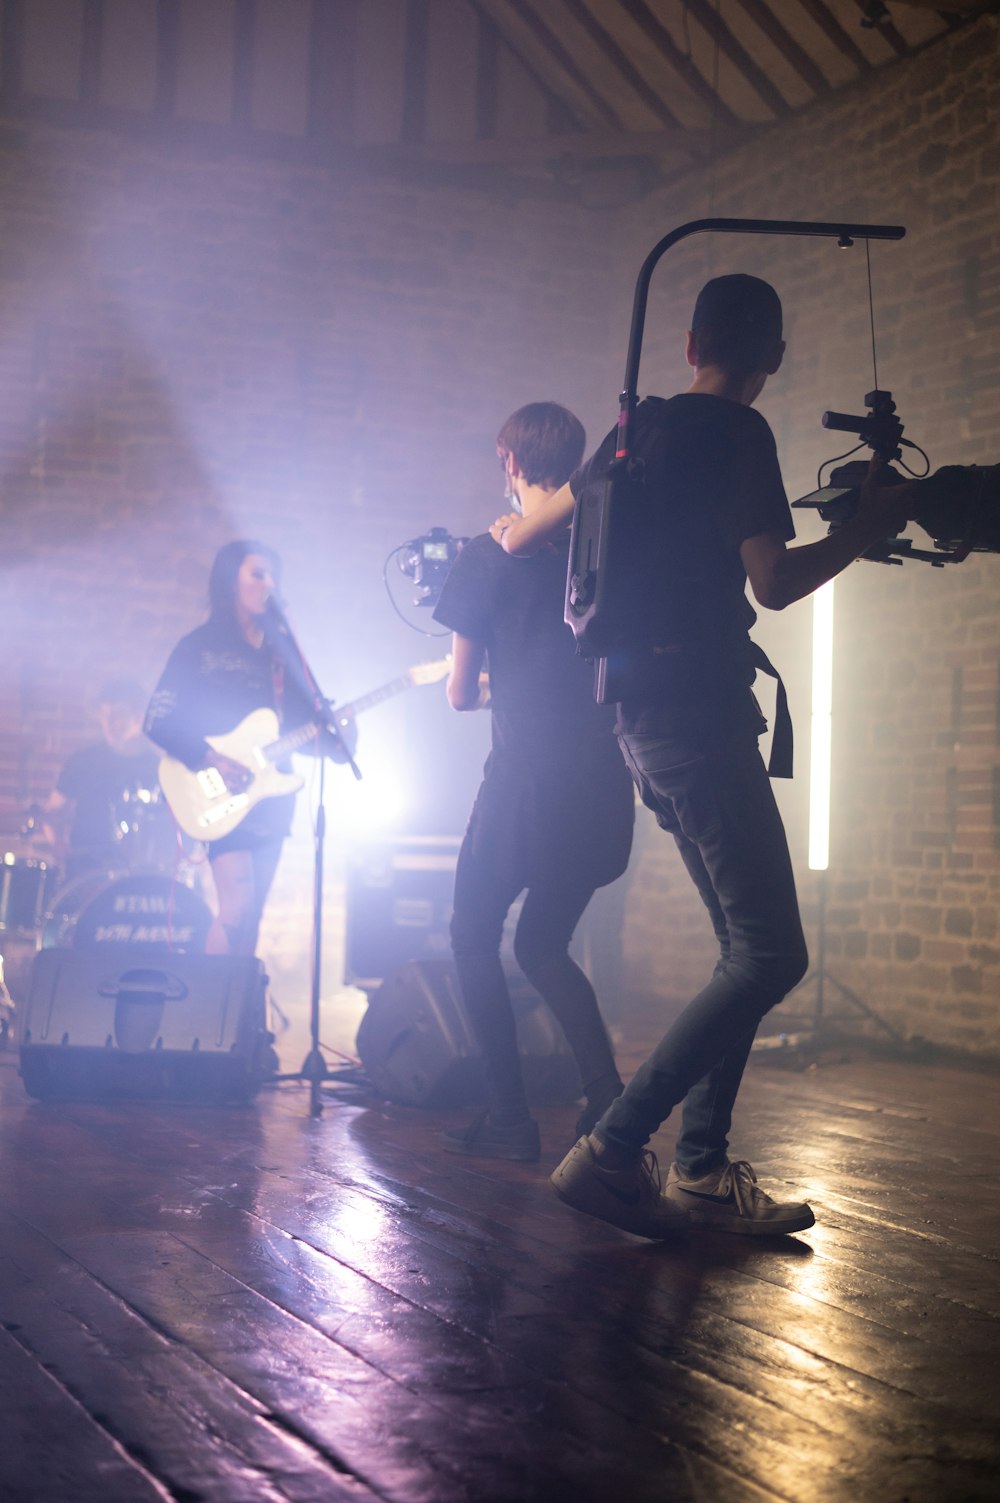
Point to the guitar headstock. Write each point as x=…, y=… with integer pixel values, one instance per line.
x=429, y=673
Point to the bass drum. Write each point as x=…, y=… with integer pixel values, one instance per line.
x=143, y=908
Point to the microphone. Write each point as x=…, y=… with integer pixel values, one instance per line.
x=274, y=610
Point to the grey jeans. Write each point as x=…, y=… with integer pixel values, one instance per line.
x=712, y=793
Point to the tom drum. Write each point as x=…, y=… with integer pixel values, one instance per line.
x=25, y=885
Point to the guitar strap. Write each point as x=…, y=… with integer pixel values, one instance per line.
x=279, y=680
x=278, y=684
x=780, y=763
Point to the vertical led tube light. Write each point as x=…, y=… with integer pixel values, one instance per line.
x=821, y=728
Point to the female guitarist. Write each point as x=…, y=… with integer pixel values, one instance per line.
x=237, y=662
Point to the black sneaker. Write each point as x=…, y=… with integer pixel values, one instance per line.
x=629, y=1197
x=486, y=1139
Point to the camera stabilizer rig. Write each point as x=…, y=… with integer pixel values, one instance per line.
x=425, y=562
x=958, y=506
x=608, y=582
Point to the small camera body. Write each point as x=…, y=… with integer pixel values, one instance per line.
x=427, y=559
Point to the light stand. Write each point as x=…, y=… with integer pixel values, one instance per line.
x=818, y=1031
x=820, y=763
x=314, y=1067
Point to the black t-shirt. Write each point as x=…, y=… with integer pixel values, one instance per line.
x=713, y=480
x=214, y=678
x=97, y=778
x=541, y=693
x=555, y=788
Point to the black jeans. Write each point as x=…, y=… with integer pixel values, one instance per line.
x=711, y=791
x=549, y=914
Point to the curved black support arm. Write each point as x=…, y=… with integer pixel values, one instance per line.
x=845, y=234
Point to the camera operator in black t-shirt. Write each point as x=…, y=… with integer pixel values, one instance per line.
x=553, y=753
x=689, y=733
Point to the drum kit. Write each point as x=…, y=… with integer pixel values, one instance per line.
x=145, y=895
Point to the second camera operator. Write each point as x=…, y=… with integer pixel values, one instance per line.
x=554, y=812
x=689, y=732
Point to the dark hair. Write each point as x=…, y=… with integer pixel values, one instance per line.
x=124, y=691
x=546, y=440
x=737, y=323
x=225, y=568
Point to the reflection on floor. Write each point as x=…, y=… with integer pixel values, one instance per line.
x=248, y=1304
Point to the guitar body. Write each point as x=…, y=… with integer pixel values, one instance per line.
x=206, y=809
x=201, y=803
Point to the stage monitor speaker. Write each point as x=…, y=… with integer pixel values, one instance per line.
x=417, y=1045
x=399, y=899
x=117, y=1021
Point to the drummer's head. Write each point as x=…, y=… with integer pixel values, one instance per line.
x=121, y=705
x=242, y=568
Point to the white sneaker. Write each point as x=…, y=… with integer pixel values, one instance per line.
x=730, y=1200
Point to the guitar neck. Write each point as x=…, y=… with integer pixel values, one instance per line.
x=275, y=751
x=376, y=696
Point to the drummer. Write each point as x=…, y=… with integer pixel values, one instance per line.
x=83, y=813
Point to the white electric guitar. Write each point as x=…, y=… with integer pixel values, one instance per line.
x=206, y=808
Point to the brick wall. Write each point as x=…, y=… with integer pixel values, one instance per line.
x=915, y=870
x=195, y=349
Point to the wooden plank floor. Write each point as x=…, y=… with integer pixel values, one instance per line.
x=234, y=1305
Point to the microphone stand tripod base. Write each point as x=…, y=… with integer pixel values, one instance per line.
x=314, y=1067
x=314, y=1071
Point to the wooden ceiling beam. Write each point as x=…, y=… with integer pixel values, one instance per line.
x=955, y=7
x=244, y=48
x=542, y=164
x=652, y=26
x=413, y=122
x=886, y=29
x=766, y=21
x=12, y=25
x=487, y=78
x=491, y=40
x=91, y=40
x=599, y=33
x=600, y=112
x=333, y=36
x=525, y=150
x=709, y=21
x=827, y=22
x=168, y=36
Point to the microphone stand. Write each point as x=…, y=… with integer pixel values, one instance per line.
x=314, y=1067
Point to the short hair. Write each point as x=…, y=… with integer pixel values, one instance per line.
x=226, y=567
x=126, y=692
x=736, y=323
x=546, y=440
